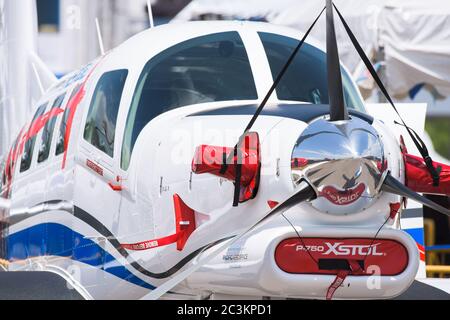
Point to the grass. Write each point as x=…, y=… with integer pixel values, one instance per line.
x=439, y=131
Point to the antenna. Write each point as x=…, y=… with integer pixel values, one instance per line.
x=38, y=78
x=150, y=14
x=100, y=38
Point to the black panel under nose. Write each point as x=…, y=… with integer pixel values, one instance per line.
x=337, y=264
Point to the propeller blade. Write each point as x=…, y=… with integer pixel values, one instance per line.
x=305, y=193
x=394, y=186
x=338, y=110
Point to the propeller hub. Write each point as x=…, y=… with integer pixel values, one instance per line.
x=343, y=161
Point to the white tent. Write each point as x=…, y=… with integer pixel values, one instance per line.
x=416, y=37
x=415, y=34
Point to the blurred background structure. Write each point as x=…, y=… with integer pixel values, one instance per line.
x=408, y=40
x=67, y=33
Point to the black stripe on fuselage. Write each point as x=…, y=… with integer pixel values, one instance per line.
x=301, y=112
x=105, y=232
x=100, y=228
x=45, y=207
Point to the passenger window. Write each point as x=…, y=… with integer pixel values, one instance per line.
x=47, y=133
x=100, y=127
x=205, y=69
x=28, y=149
x=61, y=140
x=306, y=78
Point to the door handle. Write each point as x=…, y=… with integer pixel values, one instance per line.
x=117, y=184
x=115, y=187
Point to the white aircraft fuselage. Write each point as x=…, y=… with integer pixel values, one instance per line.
x=100, y=182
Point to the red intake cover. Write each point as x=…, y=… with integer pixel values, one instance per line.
x=419, y=179
x=210, y=159
x=292, y=256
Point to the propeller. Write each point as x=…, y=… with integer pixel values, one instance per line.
x=391, y=184
x=338, y=110
x=394, y=186
x=305, y=193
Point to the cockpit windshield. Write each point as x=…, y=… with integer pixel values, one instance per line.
x=216, y=67
x=210, y=68
x=306, y=78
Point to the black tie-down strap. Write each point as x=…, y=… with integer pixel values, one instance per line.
x=415, y=138
x=237, y=184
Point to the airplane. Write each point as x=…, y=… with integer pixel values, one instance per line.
x=134, y=180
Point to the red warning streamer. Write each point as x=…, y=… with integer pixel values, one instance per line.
x=341, y=276
x=151, y=244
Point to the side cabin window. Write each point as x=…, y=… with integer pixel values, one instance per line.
x=306, y=78
x=47, y=133
x=61, y=139
x=28, y=149
x=100, y=127
x=210, y=68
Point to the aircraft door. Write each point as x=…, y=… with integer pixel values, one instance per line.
x=97, y=192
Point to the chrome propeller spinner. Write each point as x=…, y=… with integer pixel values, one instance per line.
x=343, y=161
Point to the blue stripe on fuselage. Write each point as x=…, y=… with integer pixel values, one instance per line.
x=417, y=234
x=51, y=239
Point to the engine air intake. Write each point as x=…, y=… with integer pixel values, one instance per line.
x=212, y=160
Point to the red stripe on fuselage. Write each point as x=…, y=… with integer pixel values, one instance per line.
x=11, y=163
x=37, y=125
x=73, y=106
x=41, y=121
x=421, y=251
